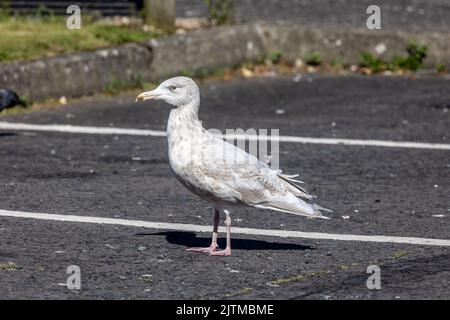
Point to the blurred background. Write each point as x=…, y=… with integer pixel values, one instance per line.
x=415, y=14
x=31, y=30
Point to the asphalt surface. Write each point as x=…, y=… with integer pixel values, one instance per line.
x=382, y=191
x=404, y=15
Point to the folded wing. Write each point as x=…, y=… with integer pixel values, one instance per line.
x=232, y=175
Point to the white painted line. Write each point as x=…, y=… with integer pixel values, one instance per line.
x=79, y=129
x=157, y=133
x=235, y=230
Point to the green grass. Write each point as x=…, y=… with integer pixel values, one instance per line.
x=413, y=61
x=275, y=57
x=337, y=62
x=220, y=11
x=8, y=266
x=368, y=60
x=25, y=38
x=299, y=277
x=239, y=292
x=314, y=59
x=398, y=255
x=440, y=68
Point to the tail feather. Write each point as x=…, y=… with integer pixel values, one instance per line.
x=291, y=177
x=320, y=208
x=295, y=188
x=302, y=208
x=293, y=203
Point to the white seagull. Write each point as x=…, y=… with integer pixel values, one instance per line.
x=218, y=171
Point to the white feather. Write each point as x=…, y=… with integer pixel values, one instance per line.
x=221, y=172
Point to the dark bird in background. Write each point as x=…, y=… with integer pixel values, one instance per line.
x=9, y=99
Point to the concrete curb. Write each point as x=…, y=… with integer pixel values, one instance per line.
x=297, y=42
x=229, y=46
x=206, y=49
x=75, y=75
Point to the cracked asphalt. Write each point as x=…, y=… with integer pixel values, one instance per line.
x=380, y=191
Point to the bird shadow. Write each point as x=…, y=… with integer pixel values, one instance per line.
x=190, y=239
x=7, y=134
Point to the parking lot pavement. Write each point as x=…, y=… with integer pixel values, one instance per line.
x=373, y=191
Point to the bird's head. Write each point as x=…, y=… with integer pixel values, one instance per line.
x=178, y=91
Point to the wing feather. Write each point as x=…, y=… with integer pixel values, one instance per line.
x=230, y=174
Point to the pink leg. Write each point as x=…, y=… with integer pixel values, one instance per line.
x=213, y=245
x=227, y=250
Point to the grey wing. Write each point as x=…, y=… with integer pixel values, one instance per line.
x=230, y=174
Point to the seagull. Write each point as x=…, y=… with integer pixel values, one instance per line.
x=218, y=171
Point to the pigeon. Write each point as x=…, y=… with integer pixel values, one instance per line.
x=9, y=99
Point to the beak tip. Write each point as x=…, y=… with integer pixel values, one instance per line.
x=146, y=96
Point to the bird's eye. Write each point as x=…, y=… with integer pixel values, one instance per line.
x=173, y=88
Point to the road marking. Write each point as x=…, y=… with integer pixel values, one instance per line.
x=80, y=129
x=157, y=133
x=235, y=230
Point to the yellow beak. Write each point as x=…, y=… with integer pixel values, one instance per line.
x=149, y=95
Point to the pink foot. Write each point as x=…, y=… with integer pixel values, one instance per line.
x=221, y=253
x=209, y=249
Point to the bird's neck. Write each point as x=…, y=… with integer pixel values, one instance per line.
x=184, y=119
